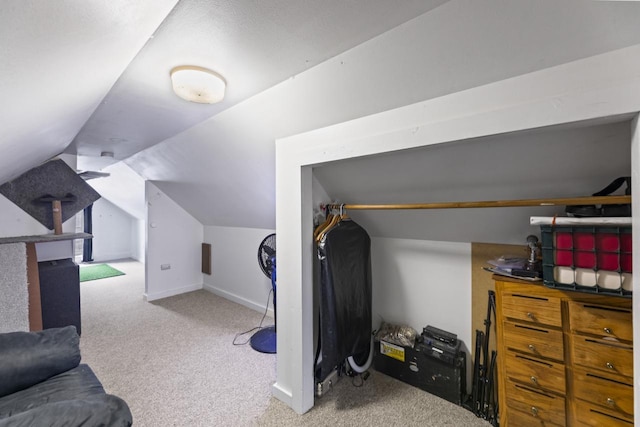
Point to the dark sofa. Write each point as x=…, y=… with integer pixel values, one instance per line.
x=42, y=383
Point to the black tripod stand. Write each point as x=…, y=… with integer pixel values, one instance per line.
x=484, y=390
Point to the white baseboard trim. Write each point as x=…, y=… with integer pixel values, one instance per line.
x=140, y=259
x=171, y=292
x=281, y=394
x=238, y=299
x=111, y=256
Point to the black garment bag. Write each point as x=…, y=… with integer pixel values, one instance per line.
x=345, y=296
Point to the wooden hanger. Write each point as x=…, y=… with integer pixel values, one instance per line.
x=326, y=222
x=335, y=219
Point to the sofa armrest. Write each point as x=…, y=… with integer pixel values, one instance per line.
x=95, y=411
x=27, y=358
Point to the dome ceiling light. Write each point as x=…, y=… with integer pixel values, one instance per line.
x=197, y=84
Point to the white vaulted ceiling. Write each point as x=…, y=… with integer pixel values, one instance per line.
x=253, y=45
x=89, y=77
x=58, y=62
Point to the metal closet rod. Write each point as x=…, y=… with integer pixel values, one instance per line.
x=570, y=201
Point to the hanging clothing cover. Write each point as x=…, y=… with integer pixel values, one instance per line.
x=345, y=296
x=87, y=244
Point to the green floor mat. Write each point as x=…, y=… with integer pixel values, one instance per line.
x=100, y=271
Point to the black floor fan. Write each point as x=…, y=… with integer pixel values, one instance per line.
x=264, y=340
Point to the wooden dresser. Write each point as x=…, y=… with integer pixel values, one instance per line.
x=565, y=358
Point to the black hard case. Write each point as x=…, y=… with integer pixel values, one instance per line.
x=420, y=369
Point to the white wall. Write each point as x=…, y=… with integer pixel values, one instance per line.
x=235, y=272
x=174, y=238
x=112, y=232
x=138, y=229
x=420, y=283
x=125, y=190
x=320, y=196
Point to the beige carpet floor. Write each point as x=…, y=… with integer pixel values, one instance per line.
x=174, y=363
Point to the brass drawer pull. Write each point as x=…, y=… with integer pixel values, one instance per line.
x=534, y=380
x=607, y=330
x=611, y=402
x=609, y=365
x=534, y=411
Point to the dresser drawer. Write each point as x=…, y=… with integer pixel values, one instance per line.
x=547, y=408
x=607, y=391
x=538, y=310
x=595, y=416
x=598, y=354
x=600, y=320
x=534, y=340
x=535, y=373
x=521, y=419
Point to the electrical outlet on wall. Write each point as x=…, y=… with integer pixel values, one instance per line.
x=165, y=266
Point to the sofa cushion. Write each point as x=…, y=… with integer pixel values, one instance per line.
x=27, y=358
x=96, y=411
x=77, y=383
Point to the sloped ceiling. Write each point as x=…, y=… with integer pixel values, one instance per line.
x=253, y=45
x=222, y=170
x=59, y=61
x=124, y=188
x=89, y=78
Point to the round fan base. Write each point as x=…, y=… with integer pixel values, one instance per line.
x=264, y=340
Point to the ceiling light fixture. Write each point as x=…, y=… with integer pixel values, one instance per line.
x=197, y=84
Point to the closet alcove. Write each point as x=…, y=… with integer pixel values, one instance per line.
x=422, y=259
x=561, y=132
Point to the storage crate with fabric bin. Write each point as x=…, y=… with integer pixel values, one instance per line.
x=588, y=258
